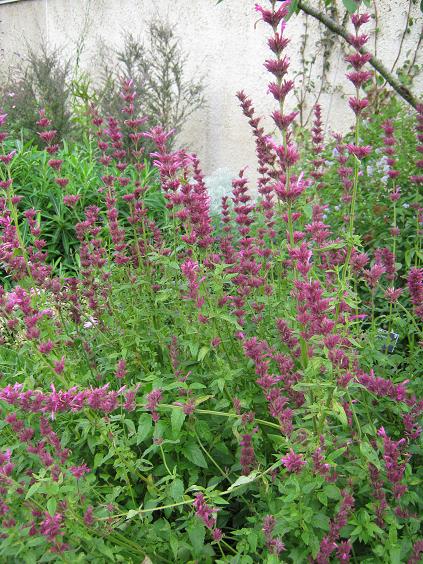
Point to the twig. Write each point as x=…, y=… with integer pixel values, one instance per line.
x=405, y=93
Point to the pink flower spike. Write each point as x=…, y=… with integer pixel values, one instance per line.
x=293, y=462
x=79, y=471
x=59, y=365
x=359, y=19
x=71, y=200
x=361, y=152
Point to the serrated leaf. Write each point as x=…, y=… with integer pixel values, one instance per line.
x=336, y=454
x=52, y=506
x=131, y=427
x=197, y=534
x=308, y=488
x=340, y=413
x=98, y=459
x=201, y=399
x=193, y=453
x=174, y=545
x=176, y=489
x=144, y=427
x=32, y=490
x=242, y=480
x=332, y=492
x=193, y=347
x=321, y=521
x=131, y=513
x=370, y=455
x=177, y=419
x=202, y=353
x=220, y=384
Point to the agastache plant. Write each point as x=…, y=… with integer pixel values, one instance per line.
x=358, y=77
x=210, y=387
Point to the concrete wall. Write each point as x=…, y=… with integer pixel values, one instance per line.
x=223, y=43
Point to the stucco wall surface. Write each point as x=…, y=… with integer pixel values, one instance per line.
x=225, y=43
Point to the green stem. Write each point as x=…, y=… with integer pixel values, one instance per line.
x=209, y=456
x=222, y=414
x=164, y=461
x=228, y=546
x=356, y=421
x=191, y=500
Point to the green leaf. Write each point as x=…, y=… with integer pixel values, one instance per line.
x=174, y=545
x=131, y=513
x=197, y=534
x=293, y=7
x=371, y=455
x=131, y=427
x=332, y=492
x=176, y=489
x=98, y=459
x=395, y=555
x=177, y=419
x=308, y=488
x=242, y=480
x=336, y=454
x=321, y=521
x=393, y=534
x=202, y=354
x=252, y=541
x=52, y=506
x=193, y=453
x=350, y=5
x=34, y=488
x=103, y=548
x=145, y=426
x=193, y=347
x=340, y=413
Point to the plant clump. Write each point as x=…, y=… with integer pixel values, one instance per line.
x=236, y=386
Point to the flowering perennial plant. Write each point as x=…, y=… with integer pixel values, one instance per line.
x=241, y=388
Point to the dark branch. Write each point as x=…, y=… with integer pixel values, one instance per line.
x=399, y=88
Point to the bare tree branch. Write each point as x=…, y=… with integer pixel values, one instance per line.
x=405, y=93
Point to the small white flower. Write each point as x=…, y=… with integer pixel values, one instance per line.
x=335, y=152
x=381, y=164
x=36, y=291
x=370, y=170
x=405, y=205
x=384, y=179
x=90, y=323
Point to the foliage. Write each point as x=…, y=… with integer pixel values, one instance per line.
x=34, y=180
x=158, y=69
x=46, y=79
x=41, y=80
x=241, y=393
